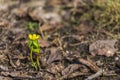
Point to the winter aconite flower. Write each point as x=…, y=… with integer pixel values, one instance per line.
x=33, y=36
x=34, y=47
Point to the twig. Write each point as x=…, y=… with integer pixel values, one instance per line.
x=42, y=34
x=91, y=77
x=91, y=65
x=11, y=62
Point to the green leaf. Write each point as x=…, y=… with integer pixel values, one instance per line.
x=32, y=26
x=35, y=44
x=36, y=50
x=30, y=43
x=35, y=65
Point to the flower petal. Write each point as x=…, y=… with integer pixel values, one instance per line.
x=30, y=36
x=34, y=36
x=37, y=36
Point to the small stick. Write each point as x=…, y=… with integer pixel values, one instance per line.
x=91, y=77
x=11, y=62
x=91, y=65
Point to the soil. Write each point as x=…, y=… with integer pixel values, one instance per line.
x=70, y=48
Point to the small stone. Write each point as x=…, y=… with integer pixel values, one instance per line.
x=116, y=58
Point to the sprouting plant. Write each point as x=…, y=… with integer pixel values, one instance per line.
x=32, y=26
x=34, y=47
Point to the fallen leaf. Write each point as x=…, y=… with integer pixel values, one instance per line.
x=17, y=62
x=55, y=55
x=49, y=28
x=21, y=11
x=50, y=17
x=103, y=47
x=118, y=63
x=55, y=68
x=44, y=43
x=76, y=37
x=20, y=56
x=76, y=74
x=4, y=23
x=5, y=78
x=11, y=61
x=97, y=74
x=35, y=14
x=91, y=65
x=46, y=27
x=54, y=2
x=84, y=29
x=2, y=67
x=3, y=45
x=2, y=57
x=19, y=74
x=70, y=69
x=4, y=6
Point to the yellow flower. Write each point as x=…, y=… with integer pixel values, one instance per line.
x=33, y=36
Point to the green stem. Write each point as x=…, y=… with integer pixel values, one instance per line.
x=37, y=59
x=31, y=55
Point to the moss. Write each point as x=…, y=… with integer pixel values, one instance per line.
x=110, y=15
x=104, y=14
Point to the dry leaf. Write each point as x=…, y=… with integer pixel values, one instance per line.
x=17, y=62
x=44, y=43
x=11, y=61
x=20, y=12
x=118, y=63
x=5, y=78
x=4, y=23
x=103, y=47
x=76, y=74
x=77, y=37
x=54, y=55
x=55, y=68
x=97, y=74
x=20, y=56
x=70, y=69
x=49, y=28
x=16, y=74
x=36, y=13
x=2, y=57
x=91, y=65
x=50, y=17
x=54, y=2
x=4, y=6
x=2, y=67
x=46, y=27
x=3, y=45
x=84, y=29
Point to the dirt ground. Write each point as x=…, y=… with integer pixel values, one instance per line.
x=79, y=40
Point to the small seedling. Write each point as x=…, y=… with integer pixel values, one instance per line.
x=32, y=26
x=34, y=47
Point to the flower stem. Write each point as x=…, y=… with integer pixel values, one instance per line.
x=31, y=55
x=37, y=59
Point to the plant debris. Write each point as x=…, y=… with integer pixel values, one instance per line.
x=103, y=47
